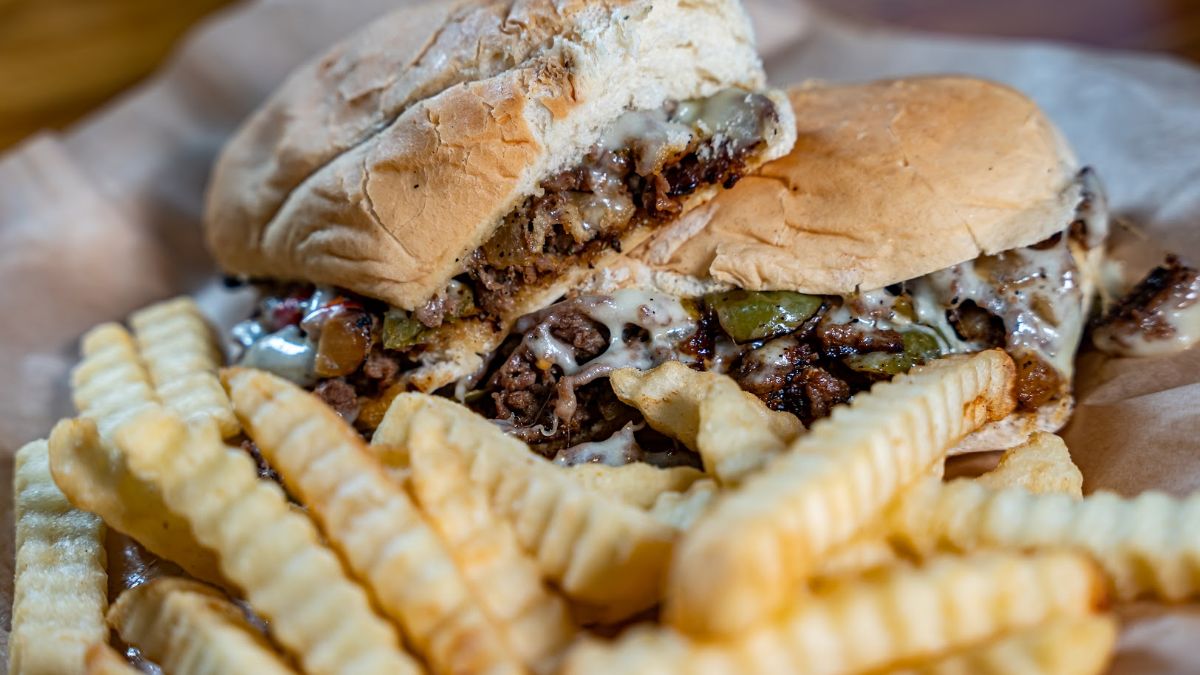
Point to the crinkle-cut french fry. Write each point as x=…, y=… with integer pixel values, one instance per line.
x=390, y=441
x=739, y=433
x=111, y=385
x=1042, y=464
x=870, y=547
x=637, y=483
x=96, y=478
x=181, y=353
x=1066, y=645
x=681, y=509
x=189, y=628
x=605, y=555
x=892, y=615
x=667, y=396
x=271, y=552
x=60, y=587
x=733, y=430
x=533, y=620
x=1148, y=545
x=756, y=543
x=865, y=551
x=371, y=520
x=104, y=660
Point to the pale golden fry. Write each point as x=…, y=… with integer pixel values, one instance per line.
x=95, y=477
x=870, y=547
x=1041, y=465
x=192, y=629
x=867, y=550
x=739, y=433
x=636, y=483
x=667, y=396
x=370, y=519
x=605, y=555
x=762, y=540
x=681, y=509
x=733, y=430
x=533, y=620
x=60, y=586
x=104, y=660
x=1148, y=545
x=182, y=356
x=893, y=615
x=271, y=552
x=1068, y=645
x=390, y=441
x=111, y=385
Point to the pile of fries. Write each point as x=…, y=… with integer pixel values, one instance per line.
x=446, y=546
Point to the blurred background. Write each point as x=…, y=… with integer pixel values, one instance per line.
x=59, y=59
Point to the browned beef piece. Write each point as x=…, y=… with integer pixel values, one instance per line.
x=975, y=324
x=822, y=391
x=433, y=312
x=761, y=375
x=524, y=394
x=598, y=415
x=533, y=244
x=571, y=179
x=809, y=392
x=788, y=376
x=1144, y=310
x=657, y=198
x=580, y=332
x=702, y=343
x=691, y=173
x=839, y=340
x=521, y=390
x=382, y=367
x=340, y=396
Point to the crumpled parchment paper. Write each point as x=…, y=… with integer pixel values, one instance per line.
x=101, y=219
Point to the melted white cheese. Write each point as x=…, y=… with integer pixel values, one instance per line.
x=1180, y=316
x=287, y=353
x=663, y=317
x=1035, y=292
x=617, y=450
x=1185, y=333
x=733, y=115
x=773, y=355
x=549, y=350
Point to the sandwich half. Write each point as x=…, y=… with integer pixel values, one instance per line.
x=404, y=198
x=912, y=219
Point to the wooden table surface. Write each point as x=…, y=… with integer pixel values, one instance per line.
x=60, y=59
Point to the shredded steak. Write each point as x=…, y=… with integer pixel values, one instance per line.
x=340, y=396
x=552, y=231
x=795, y=377
x=381, y=367
x=839, y=340
x=1144, y=310
x=975, y=324
x=524, y=391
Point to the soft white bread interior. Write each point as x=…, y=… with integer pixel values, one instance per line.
x=887, y=181
x=378, y=166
